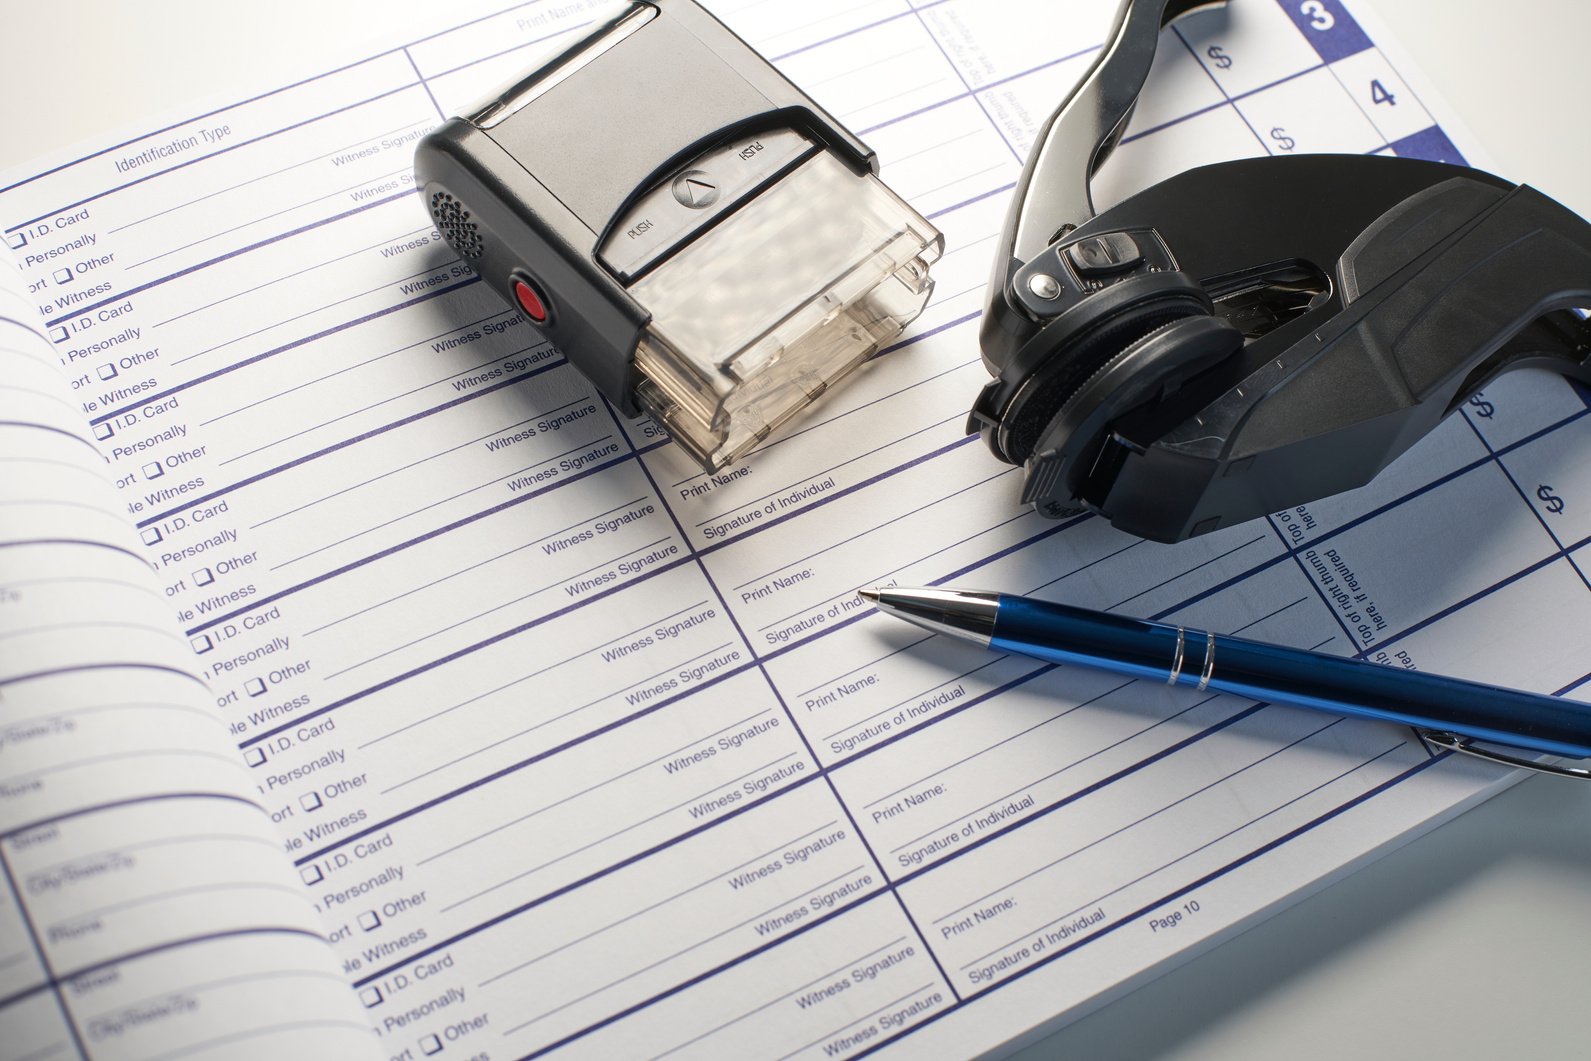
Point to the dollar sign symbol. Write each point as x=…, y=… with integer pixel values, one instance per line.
x=1219, y=57
x=1553, y=501
x=1283, y=141
x=1483, y=408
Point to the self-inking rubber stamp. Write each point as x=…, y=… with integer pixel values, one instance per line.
x=696, y=235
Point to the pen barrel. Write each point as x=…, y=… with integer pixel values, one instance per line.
x=1063, y=634
x=1278, y=674
x=1349, y=686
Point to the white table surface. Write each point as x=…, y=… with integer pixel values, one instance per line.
x=1471, y=942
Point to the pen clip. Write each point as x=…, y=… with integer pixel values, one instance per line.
x=1454, y=743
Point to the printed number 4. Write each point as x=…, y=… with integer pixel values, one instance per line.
x=1319, y=18
x=1379, y=94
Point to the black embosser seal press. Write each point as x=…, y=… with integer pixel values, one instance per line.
x=1252, y=335
x=696, y=235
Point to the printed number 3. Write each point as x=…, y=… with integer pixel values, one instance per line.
x=1319, y=18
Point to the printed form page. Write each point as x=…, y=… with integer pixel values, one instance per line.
x=145, y=907
x=579, y=750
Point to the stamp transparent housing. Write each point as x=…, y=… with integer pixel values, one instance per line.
x=762, y=314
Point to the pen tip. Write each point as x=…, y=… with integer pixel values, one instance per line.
x=869, y=595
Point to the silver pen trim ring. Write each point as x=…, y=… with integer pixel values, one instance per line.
x=1176, y=662
x=1209, y=661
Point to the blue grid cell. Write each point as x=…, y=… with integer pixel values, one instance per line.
x=1431, y=144
x=1328, y=27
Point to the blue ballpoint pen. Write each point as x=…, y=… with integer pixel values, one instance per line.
x=1447, y=712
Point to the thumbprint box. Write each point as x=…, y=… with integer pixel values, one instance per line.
x=370, y=996
x=313, y=875
x=201, y=644
x=254, y=756
x=310, y=801
x=369, y=920
x=103, y=431
x=430, y=1045
x=254, y=687
x=151, y=535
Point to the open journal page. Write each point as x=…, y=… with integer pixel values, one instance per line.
x=146, y=907
x=581, y=751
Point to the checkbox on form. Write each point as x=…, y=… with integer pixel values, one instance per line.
x=369, y=920
x=254, y=756
x=310, y=801
x=203, y=577
x=106, y=371
x=201, y=644
x=313, y=875
x=62, y=276
x=370, y=996
x=430, y=1045
x=103, y=431
x=153, y=470
x=150, y=535
x=254, y=687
